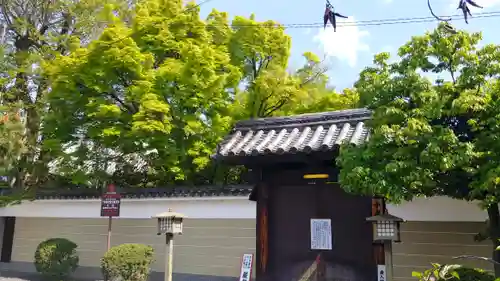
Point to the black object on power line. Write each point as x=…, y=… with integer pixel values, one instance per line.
x=462, y=5
x=465, y=9
x=330, y=15
x=446, y=21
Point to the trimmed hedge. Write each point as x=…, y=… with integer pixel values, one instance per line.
x=128, y=262
x=56, y=258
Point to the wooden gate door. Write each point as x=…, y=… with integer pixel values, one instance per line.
x=291, y=208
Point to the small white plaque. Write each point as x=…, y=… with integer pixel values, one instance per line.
x=321, y=234
x=246, y=267
x=381, y=272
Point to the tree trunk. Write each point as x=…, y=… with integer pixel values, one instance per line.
x=494, y=229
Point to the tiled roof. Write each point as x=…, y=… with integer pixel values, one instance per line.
x=302, y=133
x=146, y=193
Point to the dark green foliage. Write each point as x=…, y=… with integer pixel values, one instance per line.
x=431, y=137
x=56, y=258
x=473, y=274
x=128, y=262
x=453, y=272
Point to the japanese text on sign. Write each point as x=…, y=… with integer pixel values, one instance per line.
x=381, y=272
x=246, y=267
x=110, y=205
x=321, y=234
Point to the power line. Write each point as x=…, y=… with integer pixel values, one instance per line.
x=454, y=18
x=372, y=22
x=375, y=22
x=361, y=23
x=416, y=18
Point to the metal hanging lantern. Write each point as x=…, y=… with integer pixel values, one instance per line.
x=386, y=227
x=169, y=223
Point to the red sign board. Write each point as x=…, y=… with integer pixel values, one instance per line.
x=110, y=204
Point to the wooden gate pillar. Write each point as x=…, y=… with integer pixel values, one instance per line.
x=378, y=208
x=262, y=229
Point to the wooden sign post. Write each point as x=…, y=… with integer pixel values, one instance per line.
x=110, y=207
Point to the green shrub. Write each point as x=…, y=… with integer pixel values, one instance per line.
x=453, y=272
x=56, y=258
x=128, y=262
x=473, y=274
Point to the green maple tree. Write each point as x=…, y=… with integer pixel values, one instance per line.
x=32, y=36
x=155, y=98
x=431, y=137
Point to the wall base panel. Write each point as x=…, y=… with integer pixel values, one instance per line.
x=26, y=270
x=212, y=247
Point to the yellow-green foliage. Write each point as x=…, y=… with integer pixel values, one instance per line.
x=128, y=262
x=56, y=258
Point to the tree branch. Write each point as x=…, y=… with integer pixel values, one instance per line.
x=268, y=111
x=471, y=257
x=129, y=108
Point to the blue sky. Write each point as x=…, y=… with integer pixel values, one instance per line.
x=351, y=48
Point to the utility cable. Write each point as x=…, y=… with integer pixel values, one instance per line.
x=361, y=23
x=374, y=22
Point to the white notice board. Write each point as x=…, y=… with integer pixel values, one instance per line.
x=246, y=267
x=381, y=272
x=321, y=234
